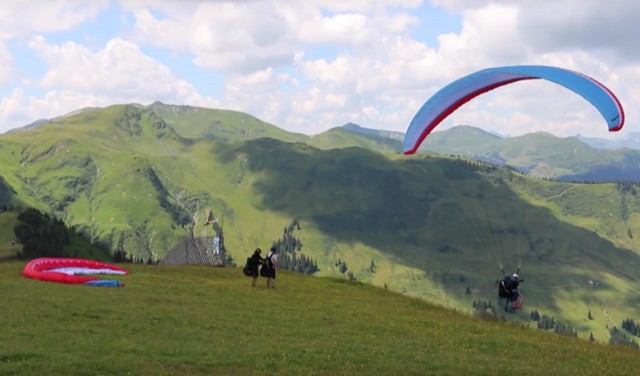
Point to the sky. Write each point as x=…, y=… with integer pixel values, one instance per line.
x=308, y=66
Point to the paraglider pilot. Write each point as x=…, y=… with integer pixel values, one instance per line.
x=508, y=289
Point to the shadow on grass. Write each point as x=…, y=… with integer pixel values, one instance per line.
x=423, y=210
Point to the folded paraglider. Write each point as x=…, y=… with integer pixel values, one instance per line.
x=72, y=271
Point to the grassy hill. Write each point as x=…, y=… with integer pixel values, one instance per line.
x=355, y=128
x=431, y=227
x=539, y=154
x=213, y=124
x=341, y=138
x=208, y=321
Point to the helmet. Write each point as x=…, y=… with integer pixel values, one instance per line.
x=516, y=276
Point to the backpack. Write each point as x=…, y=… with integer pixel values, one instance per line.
x=247, y=270
x=265, y=271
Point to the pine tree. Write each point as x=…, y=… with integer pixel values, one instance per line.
x=535, y=315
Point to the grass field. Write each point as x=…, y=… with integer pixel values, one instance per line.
x=209, y=321
x=7, y=248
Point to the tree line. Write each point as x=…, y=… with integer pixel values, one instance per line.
x=41, y=235
x=289, y=248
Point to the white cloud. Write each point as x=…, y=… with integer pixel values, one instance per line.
x=489, y=37
x=119, y=70
x=78, y=77
x=360, y=5
x=39, y=16
x=554, y=25
x=19, y=109
x=342, y=28
x=240, y=37
x=600, y=27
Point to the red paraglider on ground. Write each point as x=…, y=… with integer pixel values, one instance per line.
x=72, y=271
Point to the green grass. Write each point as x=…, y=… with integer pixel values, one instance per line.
x=7, y=223
x=208, y=321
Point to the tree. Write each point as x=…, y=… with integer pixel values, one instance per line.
x=41, y=235
x=289, y=246
x=535, y=315
x=617, y=337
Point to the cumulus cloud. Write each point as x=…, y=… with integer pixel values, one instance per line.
x=17, y=18
x=240, y=37
x=610, y=26
x=554, y=25
x=118, y=73
x=119, y=70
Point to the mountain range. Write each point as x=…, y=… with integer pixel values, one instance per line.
x=140, y=179
x=537, y=154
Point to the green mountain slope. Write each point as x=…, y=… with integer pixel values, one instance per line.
x=355, y=128
x=340, y=138
x=224, y=125
x=208, y=321
x=539, y=154
x=426, y=226
x=461, y=140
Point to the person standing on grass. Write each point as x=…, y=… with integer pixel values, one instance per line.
x=271, y=263
x=256, y=260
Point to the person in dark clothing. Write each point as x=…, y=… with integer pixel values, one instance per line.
x=509, y=289
x=256, y=260
x=272, y=263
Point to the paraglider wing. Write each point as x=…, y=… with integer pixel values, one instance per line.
x=459, y=92
x=71, y=270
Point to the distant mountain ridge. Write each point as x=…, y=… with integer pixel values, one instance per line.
x=540, y=154
x=631, y=141
x=352, y=127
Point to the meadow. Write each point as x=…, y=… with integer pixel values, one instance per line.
x=199, y=320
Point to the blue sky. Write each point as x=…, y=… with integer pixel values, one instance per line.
x=319, y=64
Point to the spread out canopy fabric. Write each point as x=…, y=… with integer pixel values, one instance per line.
x=451, y=97
x=72, y=270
